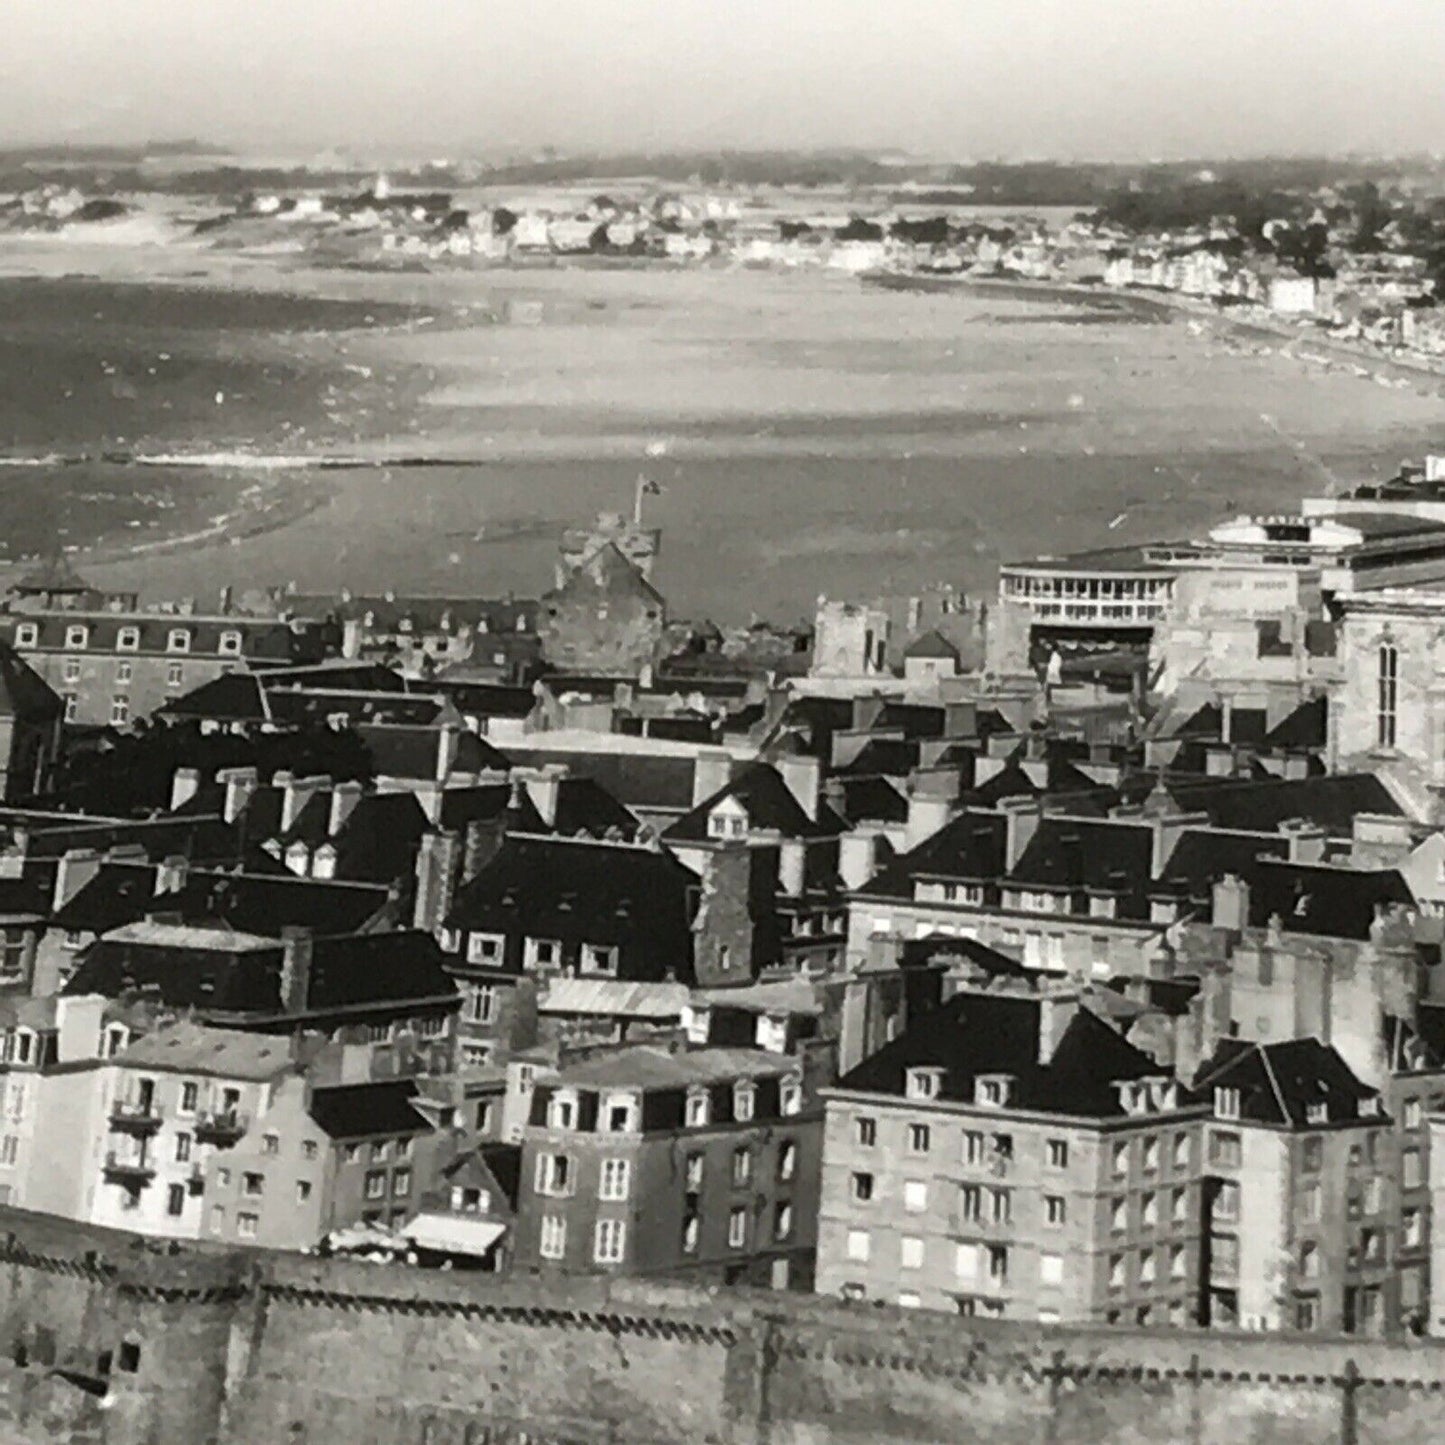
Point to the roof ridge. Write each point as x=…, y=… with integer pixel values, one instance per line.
x=1263, y=1051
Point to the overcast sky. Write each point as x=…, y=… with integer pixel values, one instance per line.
x=1105, y=78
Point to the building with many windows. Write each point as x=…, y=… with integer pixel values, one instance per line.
x=1012, y=1155
x=113, y=661
x=698, y=1165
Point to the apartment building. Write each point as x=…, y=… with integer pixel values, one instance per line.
x=701, y=1166
x=113, y=661
x=1012, y=1155
x=172, y=1100
x=1301, y=1193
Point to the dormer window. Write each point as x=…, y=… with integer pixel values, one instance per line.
x=744, y=1101
x=562, y=1111
x=992, y=1089
x=117, y=1036
x=698, y=1109
x=599, y=958
x=1317, y=1112
x=297, y=859
x=1163, y=910
x=27, y=634
x=790, y=1098
x=323, y=864
x=727, y=826
x=1103, y=905
x=178, y=639
x=128, y=639
x=76, y=635
x=1370, y=1107
x=1133, y=1096
x=924, y=1083
x=229, y=644
x=1226, y=1103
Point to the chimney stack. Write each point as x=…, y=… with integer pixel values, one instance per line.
x=1231, y=904
x=295, y=794
x=240, y=785
x=184, y=786
x=804, y=777
x=544, y=788
x=712, y=771
x=171, y=874
x=438, y=863
x=296, y=951
x=1021, y=822
x=344, y=798
x=483, y=841
x=75, y=869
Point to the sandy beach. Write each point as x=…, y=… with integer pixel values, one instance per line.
x=889, y=439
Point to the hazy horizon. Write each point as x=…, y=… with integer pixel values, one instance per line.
x=1063, y=79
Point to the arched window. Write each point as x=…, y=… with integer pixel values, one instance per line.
x=1389, y=689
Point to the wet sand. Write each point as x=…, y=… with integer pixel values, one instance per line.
x=812, y=434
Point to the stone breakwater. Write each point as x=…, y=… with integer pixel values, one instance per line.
x=108, y=1339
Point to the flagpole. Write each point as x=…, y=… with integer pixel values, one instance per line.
x=637, y=500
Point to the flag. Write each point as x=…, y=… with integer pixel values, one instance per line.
x=648, y=488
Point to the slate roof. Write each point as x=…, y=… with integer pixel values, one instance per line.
x=646, y=1067
x=1331, y=802
x=485, y=700
x=487, y=802
x=969, y=847
x=189, y=968
x=636, y=779
x=769, y=804
x=191, y=1048
x=638, y=899
x=412, y=752
x=1278, y=1082
x=932, y=644
x=883, y=757
x=24, y=694
x=360, y=1111
x=1077, y=853
x=1203, y=855
x=265, y=904
x=871, y=798
x=584, y=807
x=232, y=697
x=975, y=1033
x=916, y=719
x=1306, y=727
x=1317, y=898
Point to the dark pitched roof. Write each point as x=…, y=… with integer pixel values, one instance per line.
x=358, y=1111
x=361, y=969
x=874, y=799
x=977, y=1033
x=379, y=841
x=484, y=700
x=769, y=804
x=639, y=899
x=1317, y=898
x=883, y=757
x=1203, y=855
x=265, y=904
x=1306, y=727
x=932, y=644
x=969, y=847
x=232, y=697
x=1331, y=802
x=486, y=803
x=1081, y=853
x=1278, y=1083
x=585, y=807
x=916, y=719
x=413, y=752
x=24, y=694
x=636, y=779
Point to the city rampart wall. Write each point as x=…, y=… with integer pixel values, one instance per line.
x=114, y=1341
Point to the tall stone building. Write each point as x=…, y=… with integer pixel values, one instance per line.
x=604, y=617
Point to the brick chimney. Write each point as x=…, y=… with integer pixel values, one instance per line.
x=544, y=788
x=295, y=794
x=296, y=951
x=184, y=786
x=804, y=777
x=724, y=935
x=240, y=785
x=171, y=874
x=857, y=858
x=712, y=772
x=344, y=798
x=1231, y=904
x=1306, y=840
x=1021, y=822
x=438, y=863
x=75, y=869
x=932, y=797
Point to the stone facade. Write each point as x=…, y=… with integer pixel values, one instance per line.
x=110, y=1344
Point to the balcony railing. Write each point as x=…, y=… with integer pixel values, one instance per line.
x=126, y=1169
x=220, y=1126
x=135, y=1118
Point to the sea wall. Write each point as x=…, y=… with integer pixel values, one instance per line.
x=111, y=1340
